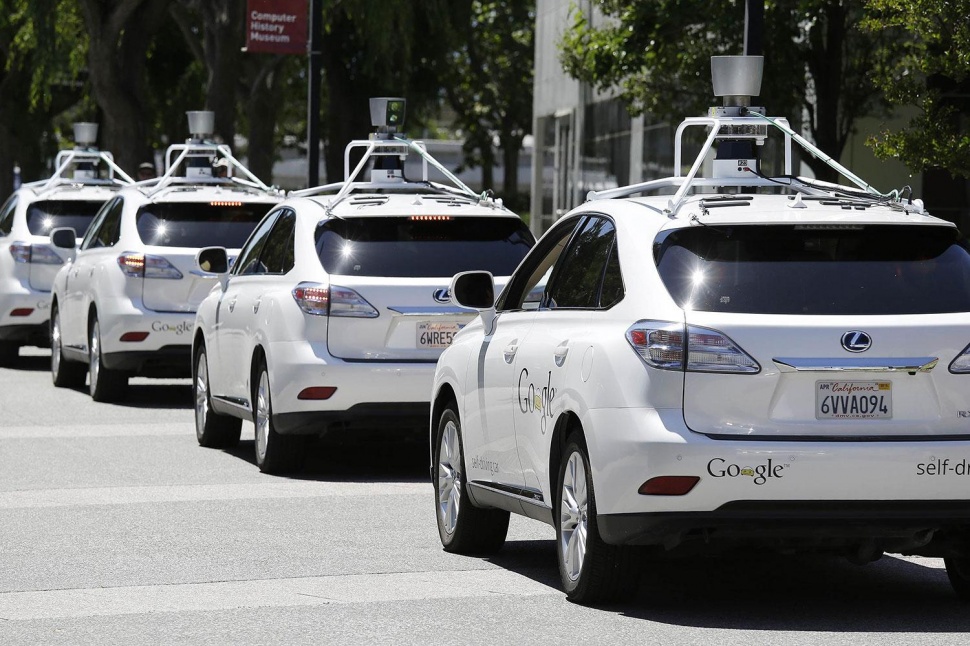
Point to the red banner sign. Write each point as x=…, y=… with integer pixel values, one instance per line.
x=276, y=26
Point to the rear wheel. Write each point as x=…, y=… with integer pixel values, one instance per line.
x=104, y=384
x=591, y=570
x=958, y=569
x=275, y=453
x=64, y=373
x=211, y=429
x=463, y=528
x=9, y=353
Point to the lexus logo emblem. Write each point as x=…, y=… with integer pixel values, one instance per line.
x=856, y=341
x=442, y=295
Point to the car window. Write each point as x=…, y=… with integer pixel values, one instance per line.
x=612, y=291
x=277, y=253
x=45, y=216
x=248, y=262
x=198, y=224
x=105, y=231
x=7, y=213
x=422, y=246
x=578, y=278
x=814, y=269
x=527, y=287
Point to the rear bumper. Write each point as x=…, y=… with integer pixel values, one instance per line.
x=386, y=416
x=30, y=329
x=173, y=361
x=37, y=334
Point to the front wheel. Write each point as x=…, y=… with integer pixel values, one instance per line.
x=275, y=453
x=591, y=570
x=104, y=384
x=211, y=429
x=64, y=373
x=462, y=527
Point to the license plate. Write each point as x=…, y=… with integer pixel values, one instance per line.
x=436, y=335
x=853, y=400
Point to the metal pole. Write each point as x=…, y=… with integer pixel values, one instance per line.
x=754, y=27
x=313, y=94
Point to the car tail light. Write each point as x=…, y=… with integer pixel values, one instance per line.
x=317, y=392
x=668, y=485
x=37, y=254
x=133, y=337
x=962, y=363
x=320, y=300
x=312, y=298
x=22, y=311
x=664, y=345
x=138, y=265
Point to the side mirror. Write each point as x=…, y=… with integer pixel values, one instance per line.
x=475, y=290
x=213, y=261
x=64, y=238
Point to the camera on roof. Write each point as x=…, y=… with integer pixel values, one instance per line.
x=387, y=113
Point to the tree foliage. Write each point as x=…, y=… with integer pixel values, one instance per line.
x=817, y=59
x=489, y=85
x=931, y=72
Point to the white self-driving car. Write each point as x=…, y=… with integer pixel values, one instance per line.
x=83, y=179
x=749, y=361
x=337, y=308
x=125, y=305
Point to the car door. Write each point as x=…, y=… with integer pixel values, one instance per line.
x=492, y=407
x=549, y=365
x=102, y=236
x=229, y=363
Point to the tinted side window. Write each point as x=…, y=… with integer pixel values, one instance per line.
x=6, y=215
x=277, y=253
x=612, y=292
x=248, y=263
x=106, y=230
x=577, y=281
x=528, y=285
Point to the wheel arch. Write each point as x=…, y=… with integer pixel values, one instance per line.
x=259, y=357
x=567, y=424
x=444, y=396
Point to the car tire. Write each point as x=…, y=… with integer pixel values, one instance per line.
x=958, y=571
x=9, y=353
x=104, y=384
x=211, y=429
x=591, y=570
x=275, y=453
x=64, y=373
x=462, y=527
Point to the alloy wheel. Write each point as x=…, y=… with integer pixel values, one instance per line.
x=573, y=510
x=449, y=477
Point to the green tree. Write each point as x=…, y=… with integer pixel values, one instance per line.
x=490, y=86
x=933, y=74
x=817, y=59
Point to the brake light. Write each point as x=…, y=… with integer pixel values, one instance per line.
x=961, y=364
x=431, y=218
x=317, y=392
x=37, y=254
x=319, y=300
x=662, y=344
x=22, y=311
x=138, y=265
x=668, y=485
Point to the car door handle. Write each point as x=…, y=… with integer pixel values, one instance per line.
x=232, y=305
x=560, y=355
x=256, y=306
x=509, y=352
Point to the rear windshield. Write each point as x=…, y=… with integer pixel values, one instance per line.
x=405, y=247
x=198, y=224
x=44, y=217
x=876, y=269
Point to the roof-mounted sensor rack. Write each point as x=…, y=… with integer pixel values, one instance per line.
x=200, y=161
x=386, y=152
x=79, y=166
x=738, y=129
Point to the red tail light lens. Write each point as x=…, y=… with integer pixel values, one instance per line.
x=317, y=392
x=668, y=485
x=312, y=298
x=662, y=344
x=137, y=265
x=37, y=254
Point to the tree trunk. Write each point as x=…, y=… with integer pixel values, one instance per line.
x=222, y=43
x=262, y=107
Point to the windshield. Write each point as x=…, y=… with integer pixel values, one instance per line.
x=199, y=224
x=816, y=269
x=410, y=247
x=44, y=217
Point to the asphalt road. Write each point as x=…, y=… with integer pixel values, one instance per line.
x=117, y=528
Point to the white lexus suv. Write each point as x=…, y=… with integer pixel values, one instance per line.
x=335, y=313
x=125, y=305
x=751, y=361
x=83, y=179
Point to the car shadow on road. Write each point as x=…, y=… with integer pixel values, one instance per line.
x=33, y=363
x=367, y=460
x=157, y=395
